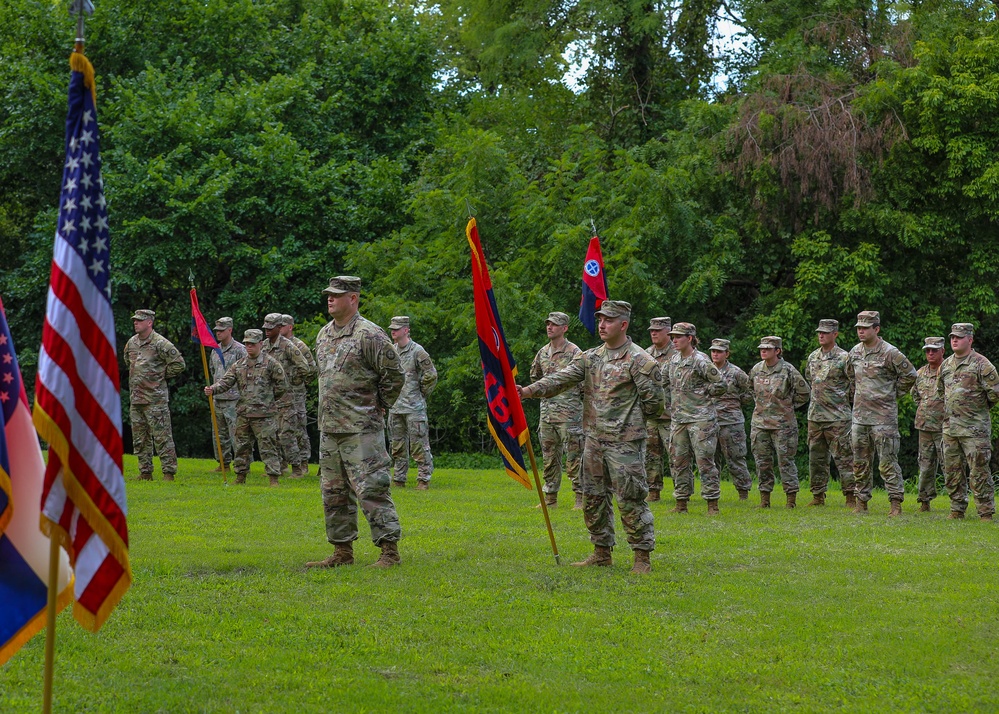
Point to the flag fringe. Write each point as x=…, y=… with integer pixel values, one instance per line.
x=78, y=62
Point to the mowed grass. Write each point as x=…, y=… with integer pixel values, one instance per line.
x=808, y=610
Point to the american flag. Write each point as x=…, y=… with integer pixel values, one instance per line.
x=77, y=392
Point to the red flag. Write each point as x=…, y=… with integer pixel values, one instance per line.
x=506, y=419
x=594, y=285
x=200, y=334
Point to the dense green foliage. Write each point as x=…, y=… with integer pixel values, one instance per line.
x=847, y=163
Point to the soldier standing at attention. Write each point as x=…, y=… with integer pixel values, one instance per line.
x=296, y=371
x=225, y=403
x=561, y=428
x=779, y=389
x=409, y=431
x=359, y=381
x=151, y=359
x=260, y=382
x=829, y=373
x=300, y=396
x=693, y=383
x=622, y=388
x=929, y=420
x=970, y=387
x=882, y=374
x=657, y=447
x=731, y=420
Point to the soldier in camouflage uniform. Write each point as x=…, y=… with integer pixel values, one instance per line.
x=882, y=374
x=409, y=431
x=300, y=395
x=259, y=380
x=359, y=380
x=779, y=389
x=969, y=385
x=829, y=373
x=731, y=420
x=225, y=403
x=151, y=359
x=622, y=387
x=296, y=371
x=693, y=383
x=561, y=428
x=657, y=447
x=929, y=420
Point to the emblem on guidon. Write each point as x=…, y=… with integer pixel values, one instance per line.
x=592, y=268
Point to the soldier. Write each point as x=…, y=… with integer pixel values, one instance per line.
x=561, y=427
x=969, y=385
x=731, y=421
x=296, y=371
x=225, y=403
x=408, y=428
x=622, y=388
x=151, y=359
x=693, y=383
x=656, y=459
x=829, y=374
x=359, y=380
x=300, y=396
x=881, y=374
x=779, y=389
x=929, y=420
x=259, y=380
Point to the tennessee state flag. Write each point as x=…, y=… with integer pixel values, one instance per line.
x=200, y=334
x=507, y=422
x=594, y=285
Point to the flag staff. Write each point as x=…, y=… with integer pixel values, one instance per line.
x=211, y=399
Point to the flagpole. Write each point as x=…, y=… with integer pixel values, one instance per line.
x=541, y=498
x=50, y=620
x=211, y=408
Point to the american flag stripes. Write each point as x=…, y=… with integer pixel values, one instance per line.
x=77, y=393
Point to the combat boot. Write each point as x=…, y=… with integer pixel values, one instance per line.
x=712, y=511
x=924, y=506
x=896, y=508
x=551, y=500
x=601, y=556
x=653, y=496
x=343, y=554
x=579, y=502
x=860, y=506
x=398, y=484
x=389, y=556
x=681, y=506
x=217, y=469
x=851, y=500
x=240, y=479
x=274, y=481
x=425, y=486
x=144, y=477
x=956, y=516
x=300, y=470
x=819, y=499
x=642, y=564
x=986, y=517
x=792, y=500
x=743, y=495
x=764, y=499
x=168, y=477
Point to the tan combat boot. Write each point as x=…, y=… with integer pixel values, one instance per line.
x=343, y=554
x=168, y=477
x=956, y=516
x=217, y=469
x=601, y=556
x=851, y=500
x=764, y=499
x=860, y=506
x=144, y=477
x=240, y=479
x=896, y=508
x=299, y=470
x=819, y=499
x=274, y=481
x=743, y=495
x=653, y=496
x=712, y=511
x=924, y=507
x=792, y=500
x=642, y=564
x=422, y=485
x=986, y=517
x=681, y=506
x=389, y=556
x=579, y=502
x=551, y=500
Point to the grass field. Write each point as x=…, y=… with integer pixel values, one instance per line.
x=807, y=610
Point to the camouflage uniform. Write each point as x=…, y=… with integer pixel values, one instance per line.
x=561, y=428
x=882, y=375
x=657, y=446
x=300, y=396
x=969, y=386
x=778, y=390
x=150, y=363
x=929, y=424
x=830, y=377
x=408, y=427
x=732, y=424
x=693, y=383
x=225, y=403
x=621, y=388
x=296, y=370
x=359, y=380
x=261, y=383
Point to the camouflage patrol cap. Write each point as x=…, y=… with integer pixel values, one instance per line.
x=343, y=284
x=719, y=345
x=398, y=322
x=828, y=326
x=287, y=320
x=223, y=323
x=868, y=318
x=770, y=342
x=615, y=308
x=962, y=329
x=557, y=318
x=252, y=337
x=660, y=323
x=684, y=328
x=273, y=320
x=143, y=315
x=933, y=343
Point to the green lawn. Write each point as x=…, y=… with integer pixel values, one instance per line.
x=808, y=610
